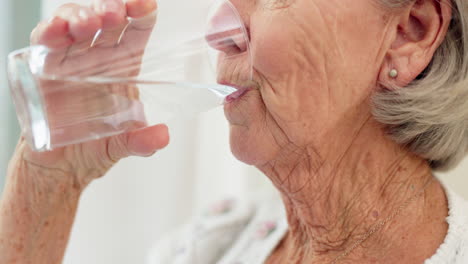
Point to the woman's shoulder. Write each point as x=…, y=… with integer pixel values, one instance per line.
x=454, y=249
x=211, y=234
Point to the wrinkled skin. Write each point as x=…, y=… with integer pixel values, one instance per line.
x=71, y=29
x=305, y=122
x=43, y=189
x=315, y=63
x=314, y=75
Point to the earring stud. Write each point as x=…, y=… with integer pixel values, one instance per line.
x=393, y=73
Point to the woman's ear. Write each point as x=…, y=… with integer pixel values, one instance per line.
x=419, y=30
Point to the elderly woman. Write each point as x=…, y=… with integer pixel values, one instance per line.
x=354, y=103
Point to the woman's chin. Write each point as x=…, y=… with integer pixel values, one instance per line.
x=242, y=151
x=248, y=141
x=250, y=146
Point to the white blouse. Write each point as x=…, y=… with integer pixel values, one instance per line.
x=235, y=232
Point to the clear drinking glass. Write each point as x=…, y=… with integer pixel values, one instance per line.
x=146, y=75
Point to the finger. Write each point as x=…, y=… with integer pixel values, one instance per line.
x=140, y=8
x=146, y=141
x=114, y=20
x=142, y=18
x=112, y=13
x=135, y=36
x=53, y=34
x=83, y=22
x=142, y=142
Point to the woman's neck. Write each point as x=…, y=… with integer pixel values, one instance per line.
x=334, y=195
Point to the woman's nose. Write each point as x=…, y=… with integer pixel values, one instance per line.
x=226, y=31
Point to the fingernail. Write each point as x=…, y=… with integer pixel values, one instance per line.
x=154, y=152
x=145, y=155
x=83, y=14
x=52, y=20
x=109, y=7
x=59, y=23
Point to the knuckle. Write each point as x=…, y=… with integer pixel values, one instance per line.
x=117, y=148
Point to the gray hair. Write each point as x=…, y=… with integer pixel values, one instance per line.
x=430, y=116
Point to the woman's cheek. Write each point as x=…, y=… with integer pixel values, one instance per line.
x=270, y=48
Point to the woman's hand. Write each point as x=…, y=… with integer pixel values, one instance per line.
x=42, y=189
x=70, y=31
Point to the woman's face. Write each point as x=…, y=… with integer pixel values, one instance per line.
x=315, y=63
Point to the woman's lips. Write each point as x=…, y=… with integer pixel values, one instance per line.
x=237, y=94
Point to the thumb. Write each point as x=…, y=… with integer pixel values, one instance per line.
x=144, y=142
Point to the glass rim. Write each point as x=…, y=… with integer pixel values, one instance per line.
x=28, y=101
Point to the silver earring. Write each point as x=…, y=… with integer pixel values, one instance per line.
x=393, y=73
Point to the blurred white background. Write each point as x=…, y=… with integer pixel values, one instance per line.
x=124, y=213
